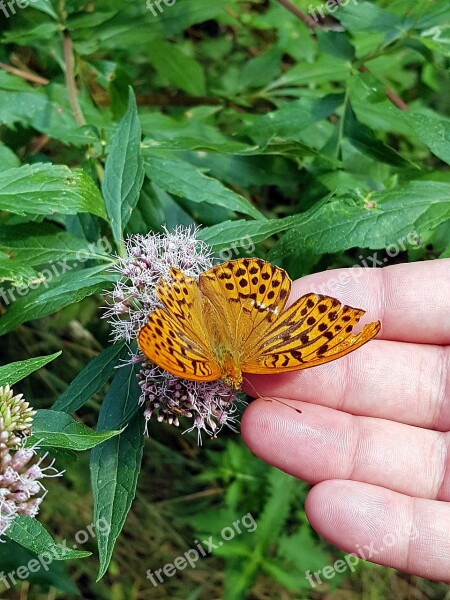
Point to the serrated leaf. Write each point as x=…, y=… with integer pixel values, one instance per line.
x=31, y=534
x=381, y=219
x=302, y=551
x=115, y=464
x=43, y=189
x=54, y=429
x=182, y=179
x=39, y=243
x=124, y=172
x=60, y=292
x=16, y=371
x=223, y=235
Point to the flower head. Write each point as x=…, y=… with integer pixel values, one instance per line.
x=16, y=417
x=209, y=405
x=149, y=258
x=21, y=489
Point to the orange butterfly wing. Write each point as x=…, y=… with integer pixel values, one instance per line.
x=175, y=336
x=315, y=330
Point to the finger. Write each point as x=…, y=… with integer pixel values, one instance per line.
x=412, y=300
x=402, y=382
x=385, y=527
x=322, y=443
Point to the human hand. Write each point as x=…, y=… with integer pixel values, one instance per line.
x=373, y=433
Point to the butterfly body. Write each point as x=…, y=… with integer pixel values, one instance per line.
x=233, y=321
x=231, y=373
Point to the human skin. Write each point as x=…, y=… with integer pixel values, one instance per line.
x=373, y=435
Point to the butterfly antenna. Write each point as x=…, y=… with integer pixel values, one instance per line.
x=270, y=398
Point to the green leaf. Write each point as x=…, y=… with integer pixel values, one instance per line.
x=270, y=522
x=367, y=16
x=40, y=32
x=436, y=14
x=44, y=6
x=43, y=189
x=437, y=38
x=181, y=70
x=91, y=379
x=60, y=292
x=336, y=43
x=30, y=534
x=432, y=129
x=8, y=159
x=40, y=243
x=126, y=31
x=364, y=139
x=46, y=109
x=54, y=429
x=290, y=121
x=16, y=371
x=302, y=550
x=377, y=221
x=124, y=172
x=229, y=233
x=285, y=576
x=115, y=464
x=323, y=70
x=182, y=179
x=53, y=575
x=18, y=273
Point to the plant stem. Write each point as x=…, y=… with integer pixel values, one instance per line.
x=299, y=14
x=71, y=86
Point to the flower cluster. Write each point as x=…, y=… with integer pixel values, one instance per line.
x=149, y=258
x=21, y=491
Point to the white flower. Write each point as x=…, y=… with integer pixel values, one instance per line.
x=21, y=489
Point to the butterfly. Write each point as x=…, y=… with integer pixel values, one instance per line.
x=233, y=320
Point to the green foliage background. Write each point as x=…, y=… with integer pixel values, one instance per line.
x=322, y=140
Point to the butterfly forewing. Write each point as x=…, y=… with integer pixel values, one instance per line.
x=249, y=293
x=175, y=337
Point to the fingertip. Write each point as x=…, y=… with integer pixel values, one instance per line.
x=255, y=424
x=264, y=426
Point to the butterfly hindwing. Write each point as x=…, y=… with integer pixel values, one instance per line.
x=316, y=329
